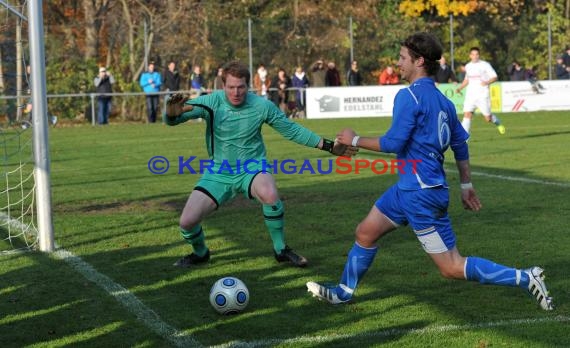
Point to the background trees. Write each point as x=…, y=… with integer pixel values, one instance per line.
x=124, y=34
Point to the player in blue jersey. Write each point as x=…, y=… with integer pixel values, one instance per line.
x=424, y=126
x=235, y=146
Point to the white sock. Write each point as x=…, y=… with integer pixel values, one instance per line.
x=466, y=123
x=495, y=120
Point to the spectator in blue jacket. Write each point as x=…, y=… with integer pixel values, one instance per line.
x=150, y=82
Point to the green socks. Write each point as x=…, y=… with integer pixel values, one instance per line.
x=273, y=215
x=195, y=237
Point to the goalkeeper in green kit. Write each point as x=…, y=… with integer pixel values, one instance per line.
x=234, y=118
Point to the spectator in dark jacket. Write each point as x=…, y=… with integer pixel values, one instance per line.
x=516, y=72
x=104, y=84
x=332, y=77
x=562, y=71
x=279, y=90
x=444, y=73
x=353, y=77
x=171, y=78
x=300, y=83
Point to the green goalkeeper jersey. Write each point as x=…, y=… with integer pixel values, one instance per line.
x=233, y=133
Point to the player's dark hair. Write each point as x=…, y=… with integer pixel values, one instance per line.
x=474, y=48
x=236, y=69
x=427, y=46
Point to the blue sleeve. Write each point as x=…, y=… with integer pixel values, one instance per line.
x=460, y=151
x=403, y=123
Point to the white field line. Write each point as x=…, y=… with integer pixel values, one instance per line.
x=129, y=301
x=451, y=169
x=146, y=315
x=394, y=332
x=179, y=339
x=516, y=178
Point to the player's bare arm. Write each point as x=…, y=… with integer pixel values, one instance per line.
x=349, y=137
x=468, y=195
x=462, y=85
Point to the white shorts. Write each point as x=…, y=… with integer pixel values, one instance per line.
x=482, y=103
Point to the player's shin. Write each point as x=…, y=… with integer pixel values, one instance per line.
x=358, y=262
x=195, y=237
x=488, y=272
x=274, y=220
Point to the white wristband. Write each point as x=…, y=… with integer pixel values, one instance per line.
x=355, y=140
x=466, y=186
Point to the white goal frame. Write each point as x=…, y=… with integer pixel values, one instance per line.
x=39, y=122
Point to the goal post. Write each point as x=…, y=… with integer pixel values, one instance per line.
x=25, y=190
x=40, y=126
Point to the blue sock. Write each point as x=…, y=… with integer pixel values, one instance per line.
x=488, y=272
x=358, y=262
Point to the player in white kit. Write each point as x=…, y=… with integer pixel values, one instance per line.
x=479, y=74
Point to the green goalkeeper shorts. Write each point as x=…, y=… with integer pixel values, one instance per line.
x=223, y=187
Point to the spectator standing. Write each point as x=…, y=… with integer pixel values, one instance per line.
x=28, y=108
x=353, y=77
x=171, y=78
x=562, y=71
x=279, y=90
x=444, y=73
x=332, y=77
x=460, y=73
x=103, y=85
x=150, y=82
x=389, y=76
x=300, y=82
x=566, y=57
x=261, y=82
x=516, y=72
x=318, y=78
x=218, y=81
x=197, y=81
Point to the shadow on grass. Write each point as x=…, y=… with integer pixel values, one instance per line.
x=44, y=300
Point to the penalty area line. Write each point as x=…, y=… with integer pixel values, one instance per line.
x=393, y=332
x=144, y=314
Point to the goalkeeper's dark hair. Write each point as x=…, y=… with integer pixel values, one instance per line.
x=236, y=69
x=427, y=46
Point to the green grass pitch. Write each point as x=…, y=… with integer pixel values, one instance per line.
x=121, y=221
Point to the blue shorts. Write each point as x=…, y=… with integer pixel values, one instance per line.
x=426, y=212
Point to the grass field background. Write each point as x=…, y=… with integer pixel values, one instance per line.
x=115, y=219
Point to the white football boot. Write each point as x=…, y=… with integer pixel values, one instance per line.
x=324, y=293
x=537, y=288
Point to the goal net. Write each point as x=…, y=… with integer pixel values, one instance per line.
x=18, y=220
x=17, y=190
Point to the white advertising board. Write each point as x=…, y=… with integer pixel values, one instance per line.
x=543, y=95
x=378, y=101
x=363, y=101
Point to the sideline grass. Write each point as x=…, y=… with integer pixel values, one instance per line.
x=117, y=216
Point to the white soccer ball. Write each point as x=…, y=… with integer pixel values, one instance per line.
x=229, y=295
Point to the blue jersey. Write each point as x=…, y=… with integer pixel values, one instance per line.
x=424, y=126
